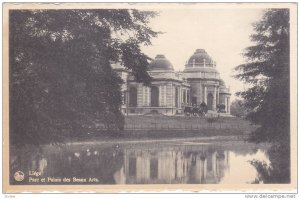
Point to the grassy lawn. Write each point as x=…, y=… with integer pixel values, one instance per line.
x=161, y=122
x=169, y=127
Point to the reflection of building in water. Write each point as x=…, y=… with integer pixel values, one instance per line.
x=140, y=163
x=167, y=166
x=38, y=164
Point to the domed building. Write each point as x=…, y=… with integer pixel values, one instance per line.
x=171, y=91
x=161, y=63
x=204, y=79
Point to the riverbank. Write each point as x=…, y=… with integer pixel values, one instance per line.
x=185, y=123
x=196, y=140
x=172, y=127
x=159, y=137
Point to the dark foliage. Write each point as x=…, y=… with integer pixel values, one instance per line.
x=268, y=100
x=237, y=108
x=267, y=72
x=61, y=80
x=278, y=171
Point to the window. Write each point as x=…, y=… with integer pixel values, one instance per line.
x=133, y=97
x=154, y=96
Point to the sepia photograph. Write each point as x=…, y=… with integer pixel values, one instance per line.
x=149, y=97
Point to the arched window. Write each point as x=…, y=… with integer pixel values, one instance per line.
x=154, y=96
x=132, y=97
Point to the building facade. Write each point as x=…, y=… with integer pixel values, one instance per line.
x=172, y=90
x=189, y=165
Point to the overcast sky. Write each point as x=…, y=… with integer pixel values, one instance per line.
x=223, y=33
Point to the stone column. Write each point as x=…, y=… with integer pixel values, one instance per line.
x=165, y=95
x=228, y=105
x=183, y=95
x=179, y=96
x=160, y=99
x=149, y=96
x=205, y=95
x=225, y=102
x=186, y=99
x=215, y=99
x=188, y=94
x=199, y=94
x=218, y=94
x=144, y=96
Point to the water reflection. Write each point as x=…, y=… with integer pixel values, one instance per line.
x=187, y=165
x=164, y=163
x=277, y=170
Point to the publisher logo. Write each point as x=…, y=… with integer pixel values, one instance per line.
x=19, y=176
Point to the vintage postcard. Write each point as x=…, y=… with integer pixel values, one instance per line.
x=151, y=97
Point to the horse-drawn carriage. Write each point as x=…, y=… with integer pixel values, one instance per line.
x=221, y=108
x=195, y=110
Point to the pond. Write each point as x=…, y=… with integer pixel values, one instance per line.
x=182, y=161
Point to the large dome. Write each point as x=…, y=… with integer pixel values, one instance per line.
x=161, y=63
x=200, y=58
x=201, y=65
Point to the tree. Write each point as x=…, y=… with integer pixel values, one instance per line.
x=237, y=108
x=267, y=72
x=61, y=80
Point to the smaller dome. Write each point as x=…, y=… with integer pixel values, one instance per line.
x=161, y=63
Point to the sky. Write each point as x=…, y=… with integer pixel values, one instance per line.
x=223, y=33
